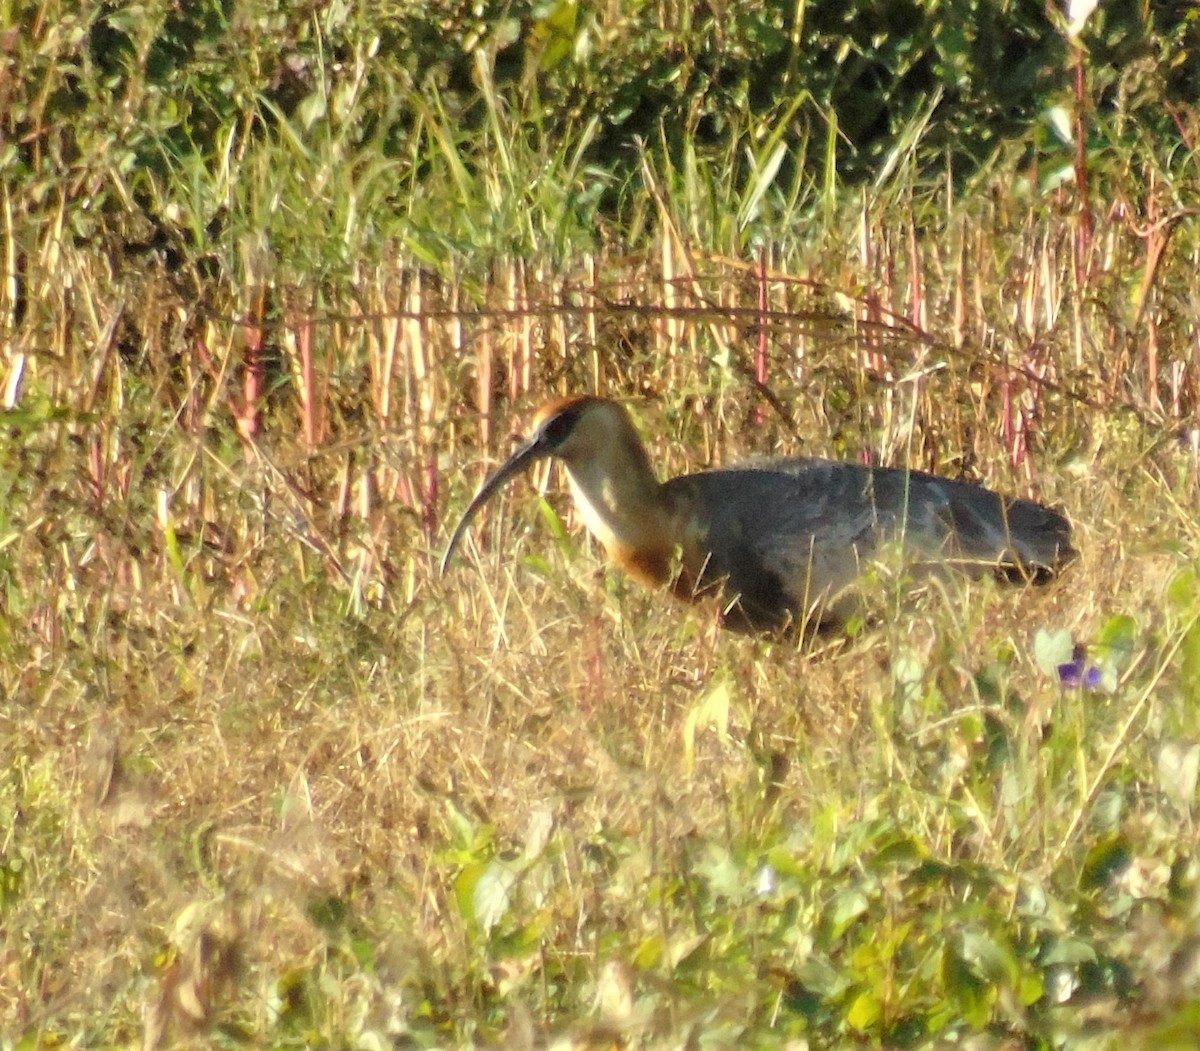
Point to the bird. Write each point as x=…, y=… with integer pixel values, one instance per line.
x=782, y=540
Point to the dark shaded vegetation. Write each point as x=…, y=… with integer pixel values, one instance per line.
x=145, y=87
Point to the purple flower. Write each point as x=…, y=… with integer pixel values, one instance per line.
x=1077, y=673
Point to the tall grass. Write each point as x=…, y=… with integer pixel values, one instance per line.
x=272, y=781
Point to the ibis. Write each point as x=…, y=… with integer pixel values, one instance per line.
x=781, y=541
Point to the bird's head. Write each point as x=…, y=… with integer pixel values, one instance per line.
x=576, y=430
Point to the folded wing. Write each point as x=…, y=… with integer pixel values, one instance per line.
x=786, y=540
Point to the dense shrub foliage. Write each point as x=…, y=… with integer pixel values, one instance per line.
x=158, y=87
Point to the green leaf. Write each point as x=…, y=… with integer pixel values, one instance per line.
x=1103, y=861
x=845, y=908
x=1031, y=988
x=538, y=565
x=491, y=896
x=785, y=863
x=311, y=109
x=1178, y=771
x=553, y=35
x=364, y=953
x=904, y=850
x=1190, y=663
x=972, y=996
x=1116, y=640
x=648, y=954
x=908, y=670
x=327, y=912
x=712, y=710
x=764, y=177
x=462, y=829
x=553, y=520
x=989, y=958
x=1184, y=590
x=865, y=1012
x=681, y=951
x=464, y=889
x=1070, y=950
x=1052, y=648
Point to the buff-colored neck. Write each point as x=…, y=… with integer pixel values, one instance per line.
x=617, y=495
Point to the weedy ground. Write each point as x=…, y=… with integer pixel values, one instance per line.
x=271, y=781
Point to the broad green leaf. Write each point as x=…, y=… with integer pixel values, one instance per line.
x=845, y=908
x=1178, y=767
x=989, y=958
x=908, y=670
x=464, y=889
x=785, y=863
x=865, y=1012
x=554, y=522
x=764, y=177
x=1067, y=949
x=712, y=710
x=491, y=899
x=1190, y=663
x=1103, y=861
x=1052, y=648
x=648, y=954
x=462, y=828
x=682, y=950
x=1031, y=988
x=1116, y=640
x=972, y=995
x=1184, y=590
x=903, y=850
x=537, y=833
x=363, y=950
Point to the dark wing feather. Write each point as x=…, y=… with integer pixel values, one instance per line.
x=788, y=537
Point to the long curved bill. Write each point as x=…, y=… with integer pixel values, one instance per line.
x=529, y=451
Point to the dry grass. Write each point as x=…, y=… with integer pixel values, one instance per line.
x=272, y=781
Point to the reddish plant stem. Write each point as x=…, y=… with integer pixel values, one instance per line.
x=760, y=354
x=1083, y=241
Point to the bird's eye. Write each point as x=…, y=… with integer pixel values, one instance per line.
x=556, y=429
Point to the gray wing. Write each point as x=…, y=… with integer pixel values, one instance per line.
x=789, y=537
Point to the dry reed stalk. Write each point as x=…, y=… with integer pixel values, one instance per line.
x=982, y=321
x=590, y=328
x=298, y=331
x=1184, y=384
x=1155, y=234
x=422, y=380
x=382, y=345
x=485, y=355
x=917, y=310
x=1153, y=401
x=1083, y=243
x=102, y=342
x=683, y=330
x=11, y=309
x=665, y=329
x=558, y=334
x=343, y=486
x=958, y=317
x=247, y=416
x=316, y=413
x=869, y=307
x=520, y=363
x=484, y=364
x=96, y=468
x=762, y=346
x=215, y=367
